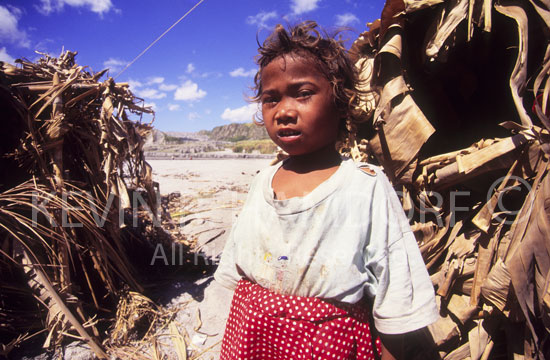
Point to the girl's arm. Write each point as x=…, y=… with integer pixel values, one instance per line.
x=416, y=344
x=392, y=347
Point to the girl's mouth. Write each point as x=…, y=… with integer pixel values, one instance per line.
x=288, y=134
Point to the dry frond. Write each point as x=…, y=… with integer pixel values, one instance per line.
x=70, y=154
x=466, y=140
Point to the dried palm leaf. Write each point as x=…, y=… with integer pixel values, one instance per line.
x=496, y=288
x=518, y=80
x=480, y=255
x=60, y=229
x=529, y=256
x=403, y=128
x=445, y=25
x=179, y=341
x=415, y=5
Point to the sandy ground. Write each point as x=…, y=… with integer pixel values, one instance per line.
x=188, y=176
x=212, y=193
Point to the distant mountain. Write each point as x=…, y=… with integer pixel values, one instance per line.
x=173, y=137
x=231, y=132
x=187, y=136
x=155, y=137
x=236, y=132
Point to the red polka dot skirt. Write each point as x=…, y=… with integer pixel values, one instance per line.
x=264, y=325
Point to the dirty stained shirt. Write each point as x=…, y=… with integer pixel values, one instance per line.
x=347, y=238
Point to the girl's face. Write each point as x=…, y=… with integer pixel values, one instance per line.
x=298, y=109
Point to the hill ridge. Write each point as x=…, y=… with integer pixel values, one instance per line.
x=231, y=132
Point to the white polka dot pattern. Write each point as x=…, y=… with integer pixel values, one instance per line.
x=263, y=325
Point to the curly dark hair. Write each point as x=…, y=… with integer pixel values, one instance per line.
x=309, y=41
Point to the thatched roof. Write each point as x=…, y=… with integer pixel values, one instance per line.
x=455, y=112
x=71, y=160
x=458, y=118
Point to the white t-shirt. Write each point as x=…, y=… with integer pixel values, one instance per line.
x=347, y=238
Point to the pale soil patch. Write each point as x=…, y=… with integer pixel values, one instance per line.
x=212, y=194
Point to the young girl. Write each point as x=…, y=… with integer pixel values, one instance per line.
x=322, y=244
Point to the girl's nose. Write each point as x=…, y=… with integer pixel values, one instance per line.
x=285, y=114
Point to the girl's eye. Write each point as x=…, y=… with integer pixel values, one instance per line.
x=305, y=93
x=268, y=100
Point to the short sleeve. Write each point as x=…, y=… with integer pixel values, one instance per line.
x=227, y=273
x=404, y=299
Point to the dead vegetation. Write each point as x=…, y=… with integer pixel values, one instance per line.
x=456, y=113
x=457, y=116
x=76, y=204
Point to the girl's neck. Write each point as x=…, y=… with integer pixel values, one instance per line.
x=324, y=158
x=301, y=174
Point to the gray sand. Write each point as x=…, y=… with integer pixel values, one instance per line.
x=212, y=192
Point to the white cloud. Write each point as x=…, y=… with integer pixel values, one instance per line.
x=97, y=6
x=134, y=84
x=208, y=111
x=302, y=6
x=241, y=72
x=9, y=27
x=346, y=19
x=193, y=116
x=155, y=88
x=155, y=80
x=150, y=93
x=5, y=57
x=189, y=91
x=191, y=69
x=212, y=74
x=173, y=107
x=152, y=105
x=115, y=65
x=242, y=114
x=261, y=18
x=167, y=87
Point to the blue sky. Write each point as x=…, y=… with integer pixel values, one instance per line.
x=198, y=75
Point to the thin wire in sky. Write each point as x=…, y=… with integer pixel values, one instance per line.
x=157, y=39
